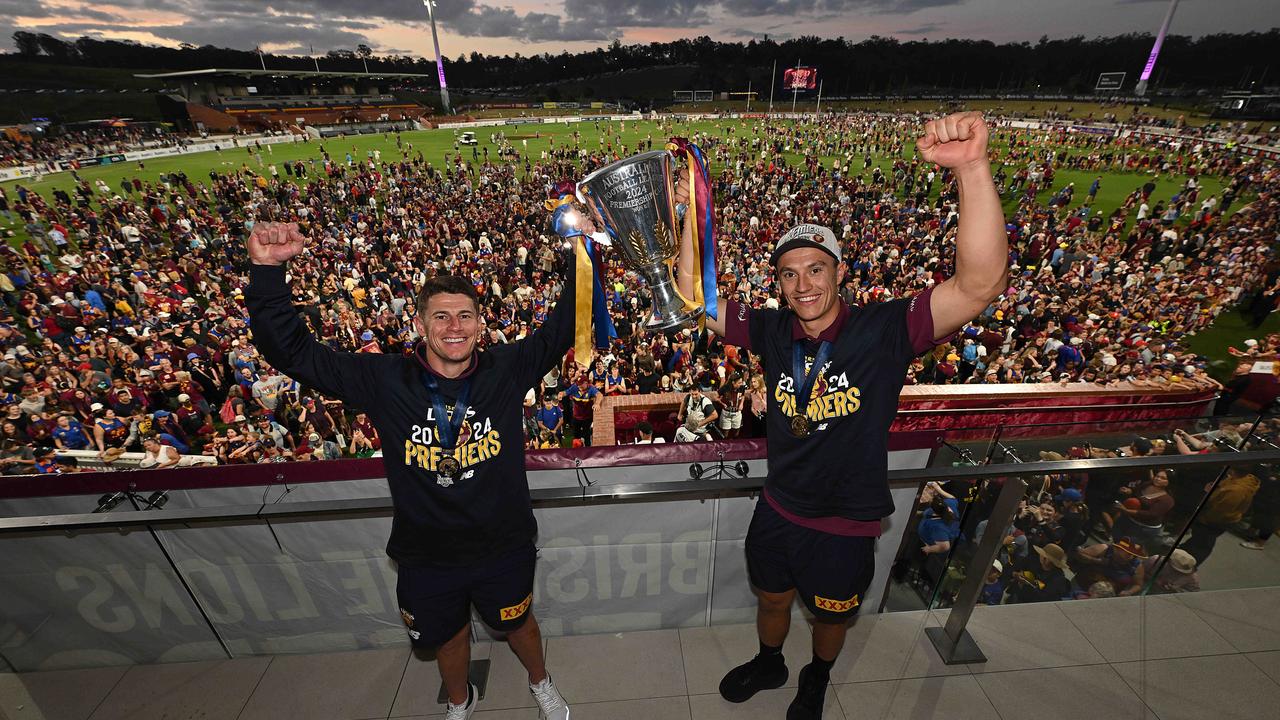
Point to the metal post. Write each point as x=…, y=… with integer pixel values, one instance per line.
x=953, y=642
x=795, y=92
x=435, y=39
x=711, y=568
x=748, y=96
x=1204, y=500
x=187, y=586
x=773, y=80
x=818, y=110
x=1141, y=88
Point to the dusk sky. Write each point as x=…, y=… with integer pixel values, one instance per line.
x=537, y=26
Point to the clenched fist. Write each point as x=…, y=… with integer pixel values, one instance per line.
x=275, y=243
x=955, y=141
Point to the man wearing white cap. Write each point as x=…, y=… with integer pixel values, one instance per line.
x=833, y=374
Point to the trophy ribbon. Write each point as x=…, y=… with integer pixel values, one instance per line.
x=702, y=211
x=588, y=288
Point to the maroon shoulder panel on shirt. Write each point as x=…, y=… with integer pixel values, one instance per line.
x=920, y=322
x=736, y=330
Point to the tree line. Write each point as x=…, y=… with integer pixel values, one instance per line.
x=879, y=65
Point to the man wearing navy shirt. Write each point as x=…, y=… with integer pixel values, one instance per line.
x=833, y=374
x=451, y=421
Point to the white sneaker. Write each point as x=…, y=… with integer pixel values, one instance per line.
x=553, y=707
x=462, y=712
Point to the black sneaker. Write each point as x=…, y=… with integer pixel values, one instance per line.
x=809, y=697
x=761, y=673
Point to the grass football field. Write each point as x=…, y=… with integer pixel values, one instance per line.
x=434, y=144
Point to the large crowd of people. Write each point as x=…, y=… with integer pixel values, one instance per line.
x=124, y=317
x=1104, y=534
x=45, y=151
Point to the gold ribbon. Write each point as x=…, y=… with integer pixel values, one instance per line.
x=584, y=291
x=583, y=276
x=691, y=215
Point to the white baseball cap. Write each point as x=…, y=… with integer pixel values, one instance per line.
x=806, y=235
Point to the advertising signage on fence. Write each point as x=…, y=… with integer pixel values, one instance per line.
x=1090, y=130
x=800, y=78
x=1110, y=82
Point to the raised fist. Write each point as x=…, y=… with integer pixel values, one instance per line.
x=955, y=141
x=275, y=243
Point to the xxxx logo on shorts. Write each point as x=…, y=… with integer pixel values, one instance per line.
x=515, y=611
x=835, y=605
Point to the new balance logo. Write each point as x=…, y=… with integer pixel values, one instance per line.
x=835, y=605
x=515, y=611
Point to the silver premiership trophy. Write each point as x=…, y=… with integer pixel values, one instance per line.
x=634, y=197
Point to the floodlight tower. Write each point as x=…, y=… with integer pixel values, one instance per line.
x=1141, y=88
x=444, y=89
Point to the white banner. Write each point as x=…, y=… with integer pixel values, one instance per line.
x=16, y=173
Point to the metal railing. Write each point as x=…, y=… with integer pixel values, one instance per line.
x=952, y=641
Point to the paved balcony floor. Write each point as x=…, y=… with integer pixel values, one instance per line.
x=1204, y=655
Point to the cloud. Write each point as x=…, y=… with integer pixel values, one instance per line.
x=919, y=30
x=745, y=34
x=756, y=8
x=245, y=32
x=22, y=8
x=330, y=23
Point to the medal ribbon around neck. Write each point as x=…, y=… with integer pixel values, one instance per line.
x=804, y=390
x=589, y=303
x=447, y=430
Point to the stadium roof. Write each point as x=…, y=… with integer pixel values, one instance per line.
x=243, y=72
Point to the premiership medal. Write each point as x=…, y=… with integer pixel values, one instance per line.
x=447, y=430
x=448, y=467
x=799, y=426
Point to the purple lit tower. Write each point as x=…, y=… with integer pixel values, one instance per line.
x=444, y=89
x=1141, y=88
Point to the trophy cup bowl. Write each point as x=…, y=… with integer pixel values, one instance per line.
x=634, y=198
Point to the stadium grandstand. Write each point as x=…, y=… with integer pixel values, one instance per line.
x=230, y=100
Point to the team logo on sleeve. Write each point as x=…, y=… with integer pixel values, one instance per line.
x=838, y=606
x=515, y=611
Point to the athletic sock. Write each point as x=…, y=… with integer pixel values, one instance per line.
x=821, y=668
x=771, y=654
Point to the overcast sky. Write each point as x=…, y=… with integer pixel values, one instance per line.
x=536, y=26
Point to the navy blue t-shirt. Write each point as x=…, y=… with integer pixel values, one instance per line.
x=840, y=469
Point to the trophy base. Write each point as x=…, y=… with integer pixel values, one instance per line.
x=687, y=317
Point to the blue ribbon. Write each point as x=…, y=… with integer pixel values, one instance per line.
x=797, y=371
x=602, y=322
x=707, y=234
x=447, y=430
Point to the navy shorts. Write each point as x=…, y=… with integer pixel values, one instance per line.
x=435, y=602
x=830, y=573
